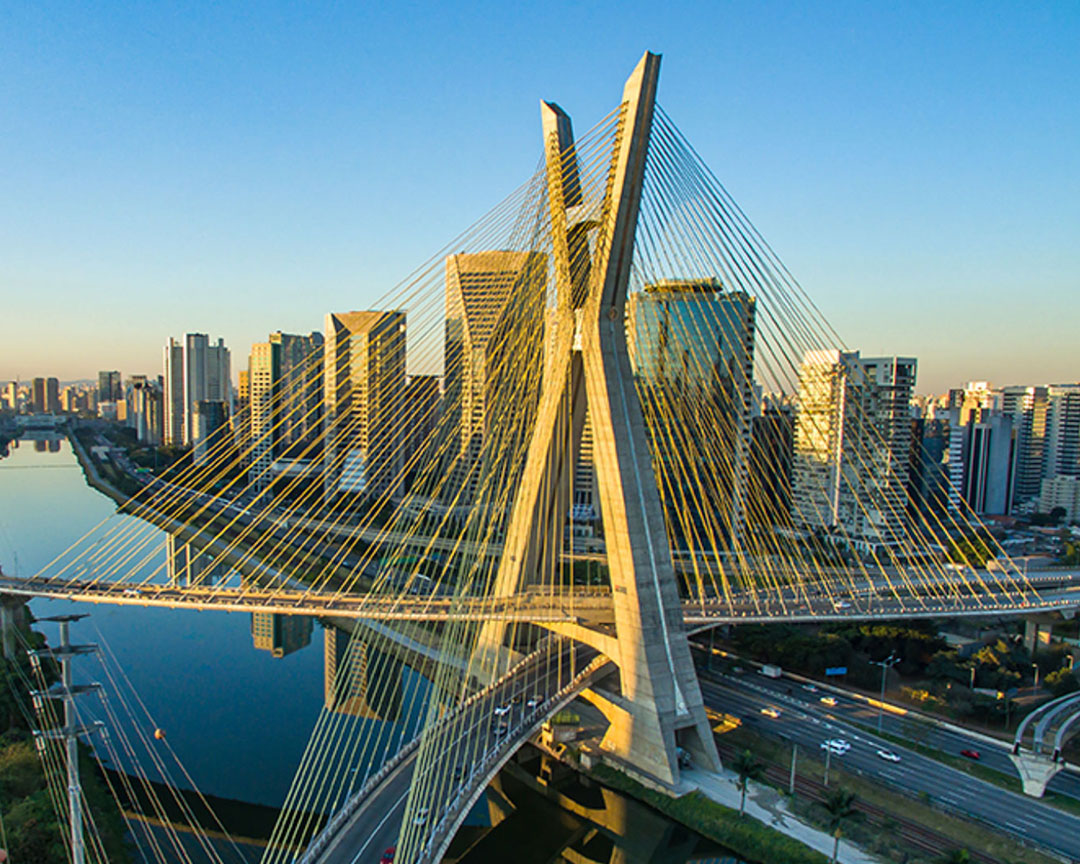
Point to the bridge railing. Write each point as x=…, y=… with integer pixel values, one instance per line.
x=443, y=830
x=323, y=839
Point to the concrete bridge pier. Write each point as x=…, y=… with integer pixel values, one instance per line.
x=1036, y=770
x=12, y=617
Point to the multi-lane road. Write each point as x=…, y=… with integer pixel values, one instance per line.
x=804, y=720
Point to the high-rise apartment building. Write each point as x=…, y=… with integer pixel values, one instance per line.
x=38, y=398
x=207, y=376
x=110, y=386
x=298, y=392
x=691, y=345
x=364, y=385
x=853, y=444
x=173, y=394
x=210, y=431
x=1028, y=408
x=1062, y=454
x=264, y=371
x=145, y=410
x=494, y=350
x=52, y=395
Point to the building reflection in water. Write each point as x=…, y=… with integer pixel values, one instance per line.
x=281, y=635
x=541, y=810
x=189, y=565
x=359, y=679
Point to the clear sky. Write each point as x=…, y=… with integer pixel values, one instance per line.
x=240, y=168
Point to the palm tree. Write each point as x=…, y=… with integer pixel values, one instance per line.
x=955, y=856
x=841, y=808
x=748, y=768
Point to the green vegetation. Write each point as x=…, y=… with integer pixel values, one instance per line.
x=935, y=678
x=32, y=827
x=748, y=768
x=747, y=838
x=840, y=805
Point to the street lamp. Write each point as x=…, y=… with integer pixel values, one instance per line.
x=1035, y=666
x=885, y=665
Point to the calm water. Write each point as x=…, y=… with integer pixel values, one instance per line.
x=237, y=717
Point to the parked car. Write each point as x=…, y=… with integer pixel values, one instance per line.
x=888, y=756
x=971, y=754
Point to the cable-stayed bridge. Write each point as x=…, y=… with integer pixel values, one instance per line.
x=603, y=416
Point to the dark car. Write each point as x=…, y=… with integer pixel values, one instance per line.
x=971, y=754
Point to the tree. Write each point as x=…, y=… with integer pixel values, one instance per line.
x=840, y=806
x=954, y=856
x=748, y=768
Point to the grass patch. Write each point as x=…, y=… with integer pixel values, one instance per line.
x=743, y=835
x=962, y=833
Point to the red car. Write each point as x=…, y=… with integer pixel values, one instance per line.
x=971, y=754
x=388, y=856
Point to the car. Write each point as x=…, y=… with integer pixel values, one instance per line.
x=841, y=604
x=502, y=710
x=502, y=728
x=421, y=816
x=838, y=746
x=388, y=855
x=828, y=700
x=534, y=702
x=810, y=688
x=770, y=712
x=971, y=754
x=888, y=756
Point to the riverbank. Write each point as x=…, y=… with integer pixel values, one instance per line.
x=91, y=473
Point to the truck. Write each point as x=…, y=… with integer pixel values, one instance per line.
x=770, y=671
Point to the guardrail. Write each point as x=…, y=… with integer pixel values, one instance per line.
x=443, y=830
x=323, y=839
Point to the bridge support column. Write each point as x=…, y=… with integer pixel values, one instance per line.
x=1037, y=632
x=660, y=706
x=12, y=617
x=1036, y=770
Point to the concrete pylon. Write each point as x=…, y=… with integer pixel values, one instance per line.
x=660, y=705
x=1036, y=771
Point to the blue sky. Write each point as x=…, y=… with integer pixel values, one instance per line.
x=240, y=168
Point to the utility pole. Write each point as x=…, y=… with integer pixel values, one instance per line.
x=828, y=753
x=71, y=731
x=885, y=665
x=794, y=756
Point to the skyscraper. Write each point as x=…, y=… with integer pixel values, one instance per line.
x=1028, y=408
x=691, y=345
x=173, y=394
x=364, y=385
x=52, y=395
x=110, y=387
x=264, y=371
x=1062, y=455
x=853, y=443
x=207, y=376
x=37, y=395
x=494, y=340
x=211, y=427
x=298, y=391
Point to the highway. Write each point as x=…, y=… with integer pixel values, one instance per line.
x=804, y=720
x=853, y=709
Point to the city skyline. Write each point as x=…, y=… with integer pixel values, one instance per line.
x=174, y=181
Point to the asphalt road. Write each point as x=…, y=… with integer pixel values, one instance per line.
x=468, y=739
x=806, y=722
x=856, y=710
